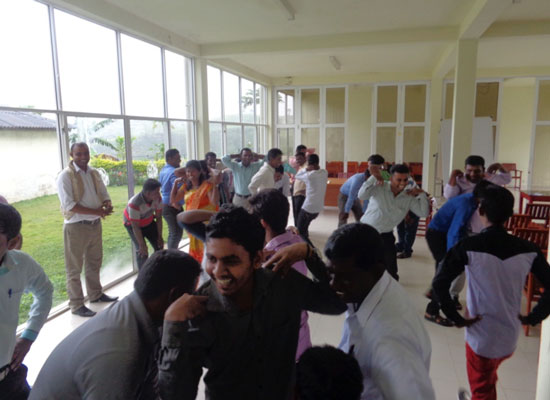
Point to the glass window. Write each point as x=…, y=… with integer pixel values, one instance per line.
x=234, y=138
x=26, y=71
x=286, y=141
x=385, y=143
x=231, y=97
x=487, y=100
x=310, y=138
x=214, y=94
x=335, y=139
x=182, y=138
x=415, y=103
x=149, y=143
x=88, y=65
x=413, y=144
x=142, y=72
x=248, y=98
x=250, y=138
x=216, y=140
x=336, y=106
x=386, y=107
x=260, y=94
x=178, y=85
x=310, y=106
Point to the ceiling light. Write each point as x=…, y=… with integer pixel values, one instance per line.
x=287, y=8
x=335, y=63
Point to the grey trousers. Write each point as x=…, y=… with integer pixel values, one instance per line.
x=355, y=208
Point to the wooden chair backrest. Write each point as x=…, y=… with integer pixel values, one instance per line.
x=537, y=236
x=518, y=221
x=539, y=211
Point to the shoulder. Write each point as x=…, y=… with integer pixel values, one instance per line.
x=23, y=261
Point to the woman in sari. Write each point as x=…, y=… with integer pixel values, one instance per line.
x=199, y=193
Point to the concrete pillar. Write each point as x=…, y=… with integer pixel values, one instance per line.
x=464, y=102
x=201, y=101
x=431, y=147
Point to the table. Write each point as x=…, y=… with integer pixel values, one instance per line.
x=531, y=196
x=333, y=188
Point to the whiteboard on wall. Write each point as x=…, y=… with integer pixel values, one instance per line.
x=482, y=144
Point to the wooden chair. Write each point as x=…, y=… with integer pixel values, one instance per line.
x=416, y=172
x=515, y=173
x=424, y=222
x=533, y=289
x=353, y=166
x=518, y=221
x=540, y=212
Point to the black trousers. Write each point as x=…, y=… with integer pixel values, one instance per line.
x=390, y=254
x=297, y=202
x=149, y=232
x=437, y=243
x=304, y=219
x=175, y=232
x=15, y=386
x=406, y=233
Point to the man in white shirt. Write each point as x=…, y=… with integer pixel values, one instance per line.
x=382, y=329
x=282, y=181
x=84, y=202
x=389, y=202
x=315, y=179
x=265, y=177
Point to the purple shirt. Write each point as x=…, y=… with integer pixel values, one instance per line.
x=278, y=242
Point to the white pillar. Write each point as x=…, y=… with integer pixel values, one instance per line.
x=201, y=96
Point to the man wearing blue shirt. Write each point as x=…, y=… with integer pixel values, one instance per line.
x=447, y=228
x=167, y=178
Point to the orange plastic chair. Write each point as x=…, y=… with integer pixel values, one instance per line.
x=353, y=166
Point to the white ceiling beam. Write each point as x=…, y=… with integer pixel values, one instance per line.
x=517, y=28
x=446, y=62
x=480, y=17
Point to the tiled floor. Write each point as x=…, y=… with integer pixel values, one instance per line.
x=448, y=370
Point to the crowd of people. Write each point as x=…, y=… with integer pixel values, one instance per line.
x=237, y=302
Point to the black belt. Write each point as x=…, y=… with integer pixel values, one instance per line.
x=243, y=196
x=86, y=222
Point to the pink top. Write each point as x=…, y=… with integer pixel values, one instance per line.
x=278, y=242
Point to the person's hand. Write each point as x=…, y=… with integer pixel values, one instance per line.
x=414, y=192
x=142, y=250
x=468, y=322
x=215, y=176
x=283, y=259
x=493, y=168
x=186, y=307
x=524, y=319
x=454, y=176
x=22, y=347
x=102, y=212
x=180, y=180
x=293, y=229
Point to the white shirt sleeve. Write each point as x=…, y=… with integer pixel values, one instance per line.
x=421, y=205
x=451, y=191
x=368, y=188
x=286, y=185
x=42, y=290
x=256, y=182
x=65, y=191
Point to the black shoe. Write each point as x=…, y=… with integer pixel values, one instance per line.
x=403, y=255
x=104, y=299
x=84, y=312
x=438, y=319
x=458, y=306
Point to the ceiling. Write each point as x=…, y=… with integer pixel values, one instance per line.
x=366, y=36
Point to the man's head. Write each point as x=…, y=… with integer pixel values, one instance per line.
x=272, y=207
x=300, y=158
x=80, y=153
x=327, y=373
x=279, y=172
x=10, y=227
x=151, y=190
x=211, y=159
x=497, y=205
x=246, y=156
x=474, y=168
x=301, y=149
x=274, y=157
x=356, y=259
x=376, y=159
x=313, y=161
x=399, y=177
x=173, y=158
x=234, y=243
x=164, y=277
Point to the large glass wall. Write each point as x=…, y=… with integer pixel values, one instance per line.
x=67, y=80
x=236, y=109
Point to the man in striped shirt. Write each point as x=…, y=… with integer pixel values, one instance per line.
x=143, y=219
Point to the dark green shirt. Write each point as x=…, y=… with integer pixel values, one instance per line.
x=249, y=355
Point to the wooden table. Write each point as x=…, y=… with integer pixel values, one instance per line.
x=531, y=196
x=333, y=188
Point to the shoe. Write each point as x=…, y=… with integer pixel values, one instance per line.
x=104, y=299
x=458, y=306
x=428, y=294
x=463, y=394
x=438, y=319
x=84, y=312
x=402, y=254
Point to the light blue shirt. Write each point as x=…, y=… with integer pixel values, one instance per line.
x=242, y=176
x=20, y=273
x=351, y=188
x=167, y=178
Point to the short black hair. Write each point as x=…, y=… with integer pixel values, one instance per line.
x=78, y=144
x=274, y=153
x=165, y=270
x=313, y=159
x=240, y=226
x=170, y=153
x=298, y=154
x=376, y=159
x=271, y=206
x=399, y=169
x=151, y=184
x=475, y=161
x=301, y=148
x=245, y=149
x=327, y=373
x=359, y=240
x=10, y=221
x=497, y=203
x=280, y=169
x=480, y=187
x=210, y=154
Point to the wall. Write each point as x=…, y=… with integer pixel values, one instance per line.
x=359, y=122
x=516, y=121
x=34, y=156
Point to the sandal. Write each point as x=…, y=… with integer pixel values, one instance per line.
x=438, y=319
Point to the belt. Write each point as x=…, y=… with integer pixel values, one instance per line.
x=243, y=196
x=4, y=371
x=86, y=222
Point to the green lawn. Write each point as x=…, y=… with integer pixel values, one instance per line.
x=43, y=239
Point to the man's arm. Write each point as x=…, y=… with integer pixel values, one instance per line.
x=368, y=188
x=541, y=270
x=227, y=160
x=65, y=193
x=256, y=182
x=158, y=221
x=451, y=188
x=457, y=229
x=498, y=175
x=353, y=193
x=420, y=205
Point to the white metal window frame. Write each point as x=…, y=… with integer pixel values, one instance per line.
x=261, y=128
x=400, y=123
x=297, y=125
x=535, y=125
